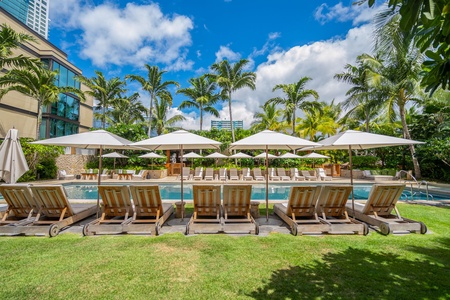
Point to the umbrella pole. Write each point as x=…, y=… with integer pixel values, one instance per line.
x=182, y=190
x=267, y=183
x=99, y=180
x=351, y=178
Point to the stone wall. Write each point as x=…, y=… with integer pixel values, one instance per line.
x=73, y=163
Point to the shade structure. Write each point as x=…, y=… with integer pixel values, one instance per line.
x=314, y=155
x=192, y=155
x=289, y=155
x=216, y=156
x=12, y=160
x=263, y=155
x=151, y=155
x=178, y=140
x=266, y=140
x=353, y=139
x=240, y=155
x=97, y=139
x=114, y=155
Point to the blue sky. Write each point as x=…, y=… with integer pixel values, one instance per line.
x=284, y=41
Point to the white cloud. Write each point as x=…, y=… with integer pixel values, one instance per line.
x=133, y=35
x=358, y=13
x=226, y=52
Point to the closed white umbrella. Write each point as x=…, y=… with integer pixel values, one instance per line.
x=178, y=140
x=353, y=139
x=97, y=139
x=12, y=160
x=271, y=140
x=114, y=155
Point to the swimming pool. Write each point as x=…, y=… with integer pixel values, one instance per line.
x=277, y=192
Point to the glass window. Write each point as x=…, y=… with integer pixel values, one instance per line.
x=62, y=76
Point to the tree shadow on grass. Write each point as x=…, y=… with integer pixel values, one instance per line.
x=359, y=274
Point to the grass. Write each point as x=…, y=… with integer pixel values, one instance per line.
x=278, y=266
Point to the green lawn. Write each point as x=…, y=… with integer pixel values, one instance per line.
x=278, y=266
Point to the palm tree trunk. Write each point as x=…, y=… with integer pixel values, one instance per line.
x=103, y=116
x=231, y=117
x=39, y=119
x=201, y=117
x=150, y=116
x=407, y=135
x=293, y=123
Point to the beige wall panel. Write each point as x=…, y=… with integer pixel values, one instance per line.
x=26, y=124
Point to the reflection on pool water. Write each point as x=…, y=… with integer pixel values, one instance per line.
x=172, y=191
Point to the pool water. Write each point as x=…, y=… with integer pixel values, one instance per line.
x=276, y=192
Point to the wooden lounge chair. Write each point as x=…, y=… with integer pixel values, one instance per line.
x=246, y=175
x=198, y=173
x=281, y=172
x=21, y=208
x=149, y=211
x=323, y=176
x=236, y=210
x=257, y=174
x=308, y=176
x=377, y=211
x=234, y=174
x=54, y=211
x=207, y=216
x=300, y=212
x=331, y=208
x=223, y=174
x=296, y=176
x=272, y=175
x=209, y=174
x=117, y=211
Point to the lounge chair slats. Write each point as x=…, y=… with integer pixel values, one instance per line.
x=378, y=209
x=331, y=209
x=300, y=212
x=236, y=208
x=207, y=216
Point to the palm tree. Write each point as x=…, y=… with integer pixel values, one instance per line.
x=395, y=71
x=10, y=40
x=296, y=96
x=155, y=86
x=104, y=91
x=231, y=78
x=201, y=96
x=269, y=118
x=323, y=119
x=126, y=110
x=161, y=122
x=362, y=101
x=38, y=83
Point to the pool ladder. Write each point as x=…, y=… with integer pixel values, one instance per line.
x=419, y=185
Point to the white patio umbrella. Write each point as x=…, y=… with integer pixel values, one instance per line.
x=192, y=155
x=314, y=155
x=114, y=155
x=353, y=139
x=12, y=160
x=264, y=155
x=290, y=155
x=240, y=155
x=97, y=139
x=178, y=140
x=268, y=140
x=216, y=155
x=151, y=155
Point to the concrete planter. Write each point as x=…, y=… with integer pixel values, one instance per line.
x=157, y=174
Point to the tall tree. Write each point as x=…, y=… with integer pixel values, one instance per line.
x=201, y=95
x=10, y=40
x=323, y=119
x=269, y=118
x=362, y=101
x=161, y=120
x=155, y=86
x=296, y=98
x=230, y=78
x=104, y=91
x=38, y=83
x=126, y=110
